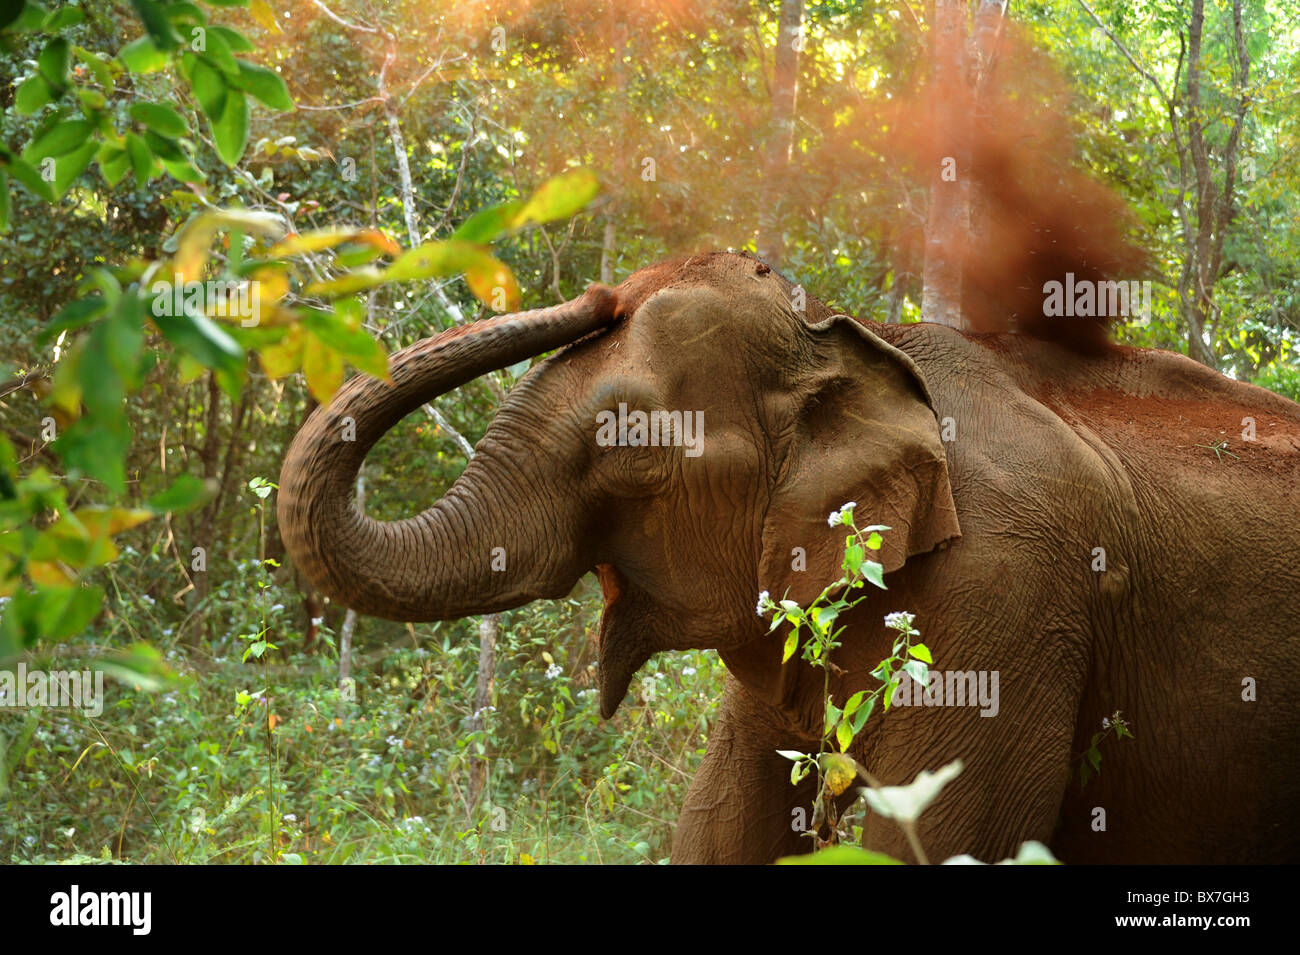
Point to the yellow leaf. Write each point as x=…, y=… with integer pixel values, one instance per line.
x=48, y=574
x=840, y=771
x=318, y=239
x=189, y=370
x=111, y=520
x=261, y=11
x=285, y=356
x=494, y=285
x=323, y=367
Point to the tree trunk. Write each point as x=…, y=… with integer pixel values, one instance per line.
x=488, y=631
x=1214, y=205
x=607, y=248
x=207, y=522
x=785, y=94
x=948, y=219
x=350, y=618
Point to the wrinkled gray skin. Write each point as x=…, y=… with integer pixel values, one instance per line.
x=1047, y=456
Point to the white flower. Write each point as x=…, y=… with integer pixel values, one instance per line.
x=764, y=602
x=1105, y=722
x=290, y=817
x=688, y=671
x=843, y=515
x=899, y=620
x=553, y=671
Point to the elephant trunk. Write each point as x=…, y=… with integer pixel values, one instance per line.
x=439, y=564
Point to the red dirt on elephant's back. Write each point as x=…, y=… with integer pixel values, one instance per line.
x=1188, y=428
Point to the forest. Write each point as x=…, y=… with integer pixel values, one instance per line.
x=219, y=220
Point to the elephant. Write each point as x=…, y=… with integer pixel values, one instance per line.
x=1107, y=530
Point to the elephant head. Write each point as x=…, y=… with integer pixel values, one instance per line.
x=786, y=412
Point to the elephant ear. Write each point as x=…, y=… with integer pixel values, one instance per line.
x=859, y=426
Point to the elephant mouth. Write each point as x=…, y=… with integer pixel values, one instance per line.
x=625, y=640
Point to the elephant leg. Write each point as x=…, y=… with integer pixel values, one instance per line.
x=742, y=808
x=1015, y=771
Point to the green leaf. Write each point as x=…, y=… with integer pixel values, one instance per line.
x=854, y=702
x=873, y=572
x=861, y=716
x=486, y=224
x=23, y=172
x=141, y=158
x=32, y=94
x=72, y=316
x=109, y=362
x=833, y=714
x=186, y=493
x=69, y=167
x=58, y=140
x=96, y=449
x=142, y=56
x=30, y=16
x=48, y=613
x=62, y=18
x=164, y=148
x=53, y=63
x=233, y=39
x=218, y=53
x=160, y=118
x=841, y=855
x=98, y=66
x=10, y=11
x=140, y=666
x=266, y=85
x=918, y=671
x=853, y=557
x=823, y=617
x=844, y=735
x=230, y=131
x=921, y=652
x=350, y=341
x=154, y=17
x=198, y=336
x=208, y=87
x=183, y=171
